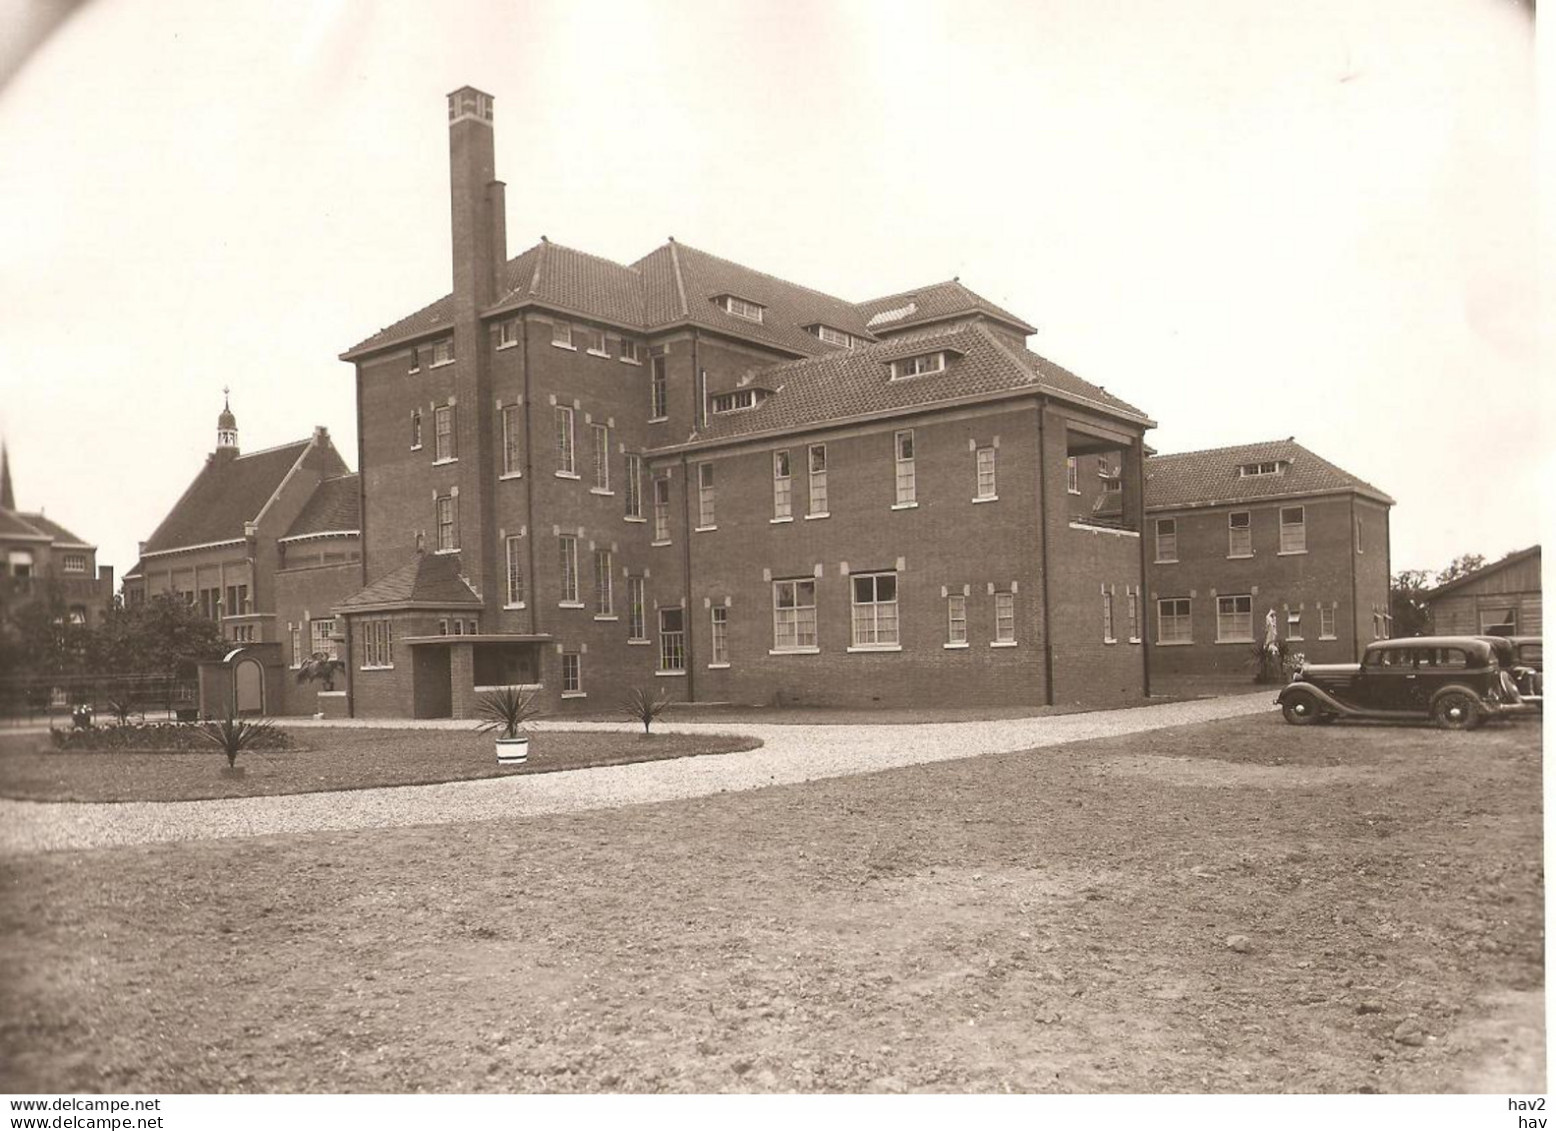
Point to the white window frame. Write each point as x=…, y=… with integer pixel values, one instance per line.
x=634, y=490
x=920, y=365
x=631, y=351
x=1072, y=471
x=604, y=584
x=1109, y=631
x=297, y=645
x=818, y=480
x=661, y=511
x=1326, y=621
x=568, y=549
x=718, y=636
x=1293, y=623
x=572, y=675
x=562, y=335
x=1260, y=469
x=377, y=644
x=320, y=630
x=566, y=451
x=595, y=342
x=956, y=620
x=658, y=389
x=1239, y=539
x=783, y=486
x=505, y=334
x=416, y=429
x=446, y=520
x=601, y=434
x=1166, y=541
x=1293, y=535
x=736, y=400
x=515, y=573
x=1183, y=620
x=875, y=624
x=906, y=469
x=1004, y=618
x=1134, y=616
x=637, y=610
x=1229, y=624
x=987, y=484
x=795, y=625
x=672, y=643
x=512, y=434
x=707, y=514
x=445, y=446
x=744, y=308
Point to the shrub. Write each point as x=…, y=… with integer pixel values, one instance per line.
x=323, y=667
x=234, y=736
x=153, y=736
x=645, y=706
x=505, y=710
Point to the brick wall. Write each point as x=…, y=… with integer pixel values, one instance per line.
x=303, y=594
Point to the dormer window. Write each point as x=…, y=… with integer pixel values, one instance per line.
x=835, y=337
x=1266, y=467
x=917, y=366
x=742, y=308
x=734, y=401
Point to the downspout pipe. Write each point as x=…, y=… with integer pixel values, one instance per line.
x=686, y=573
x=1143, y=623
x=1042, y=518
x=533, y=597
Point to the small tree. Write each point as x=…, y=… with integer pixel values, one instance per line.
x=645, y=706
x=505, y=710
x=162, y=635
x=1407, y=604
x=234, y=736
x=320, y=666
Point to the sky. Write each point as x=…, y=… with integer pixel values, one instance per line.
x=1253, y=220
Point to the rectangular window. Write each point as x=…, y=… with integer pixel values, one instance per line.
x=1326, y=622
x=661, y=510
x=604, y=590
x=917, y=366
x=75, y=563
x=512, y=435
x=1134, y=618
x=907, y=482
x=1107, y=618
x=672, y=640
x=742, y=308
x=1166, y=539
x=505, y=333
x=594, y=342
x=875, y=610
x=794, y=615
x=986, y=485
x=637, y=628
x=634, y=486
x=1234, y=619
x=515, y=546
x=1239, y=535
x=297, y=646
x=443, y=433
x=1358, y=534
x=569, y=551
x=1253, y=470
x=602, y=456
x=956, y=619
x=1499, y=621
x=377, y=644
x=658, y=390
x=448, y=522
x=565, y=462
x=1072, y=471
x=1004, y=618
x=562, y=335
x=818, y=479
x=415, y=429
x=732, y=402
x=631, y=351
x=572, y=673
x=319, y=632
x=833, y=336
x=1293, y=624
x=1293, y=530
x=443, y=351
x=705, y=511
x=1173, y=623
x=783, y=486
x=718, y=639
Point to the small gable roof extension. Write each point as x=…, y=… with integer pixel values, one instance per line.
x=678, y=285
x=856, y=383
x=333, y=508
x=1205, y=478
x=227, y=494
x=55, y=532
x=1482, y=573
x=427, y=581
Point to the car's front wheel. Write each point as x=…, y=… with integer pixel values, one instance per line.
x=1457, y=710
x=1302, y=710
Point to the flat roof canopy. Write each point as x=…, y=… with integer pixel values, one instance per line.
x=482, y=638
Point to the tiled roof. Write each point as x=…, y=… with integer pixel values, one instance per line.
x=676, y=284
x=1480, y=574
x=228, y=492
x=853, y=383
x=48, y=526
x=1188, y=478
x=930, y=304
x=333, y=507
x=14, y=525
x=425, y=580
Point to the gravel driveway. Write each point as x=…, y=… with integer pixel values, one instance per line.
x=788, y=754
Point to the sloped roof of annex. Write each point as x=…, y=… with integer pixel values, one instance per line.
x=1178, y=480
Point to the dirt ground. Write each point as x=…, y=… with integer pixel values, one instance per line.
x=1064, y=920
x=328, y=758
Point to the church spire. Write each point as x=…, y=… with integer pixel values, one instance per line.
x=226, y=426
x=7, y=498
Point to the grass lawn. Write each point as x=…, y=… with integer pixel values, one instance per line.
x=333, y=758
x=1051, y=921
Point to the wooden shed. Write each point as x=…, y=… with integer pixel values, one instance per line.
x=1502, y=599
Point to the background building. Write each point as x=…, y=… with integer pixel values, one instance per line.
x=1236, y=533
x=40, y=560
x=1502, y=599
x=687, y=474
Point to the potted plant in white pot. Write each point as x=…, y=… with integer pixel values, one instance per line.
x=503, y=712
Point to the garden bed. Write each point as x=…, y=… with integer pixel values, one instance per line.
x=335, y=758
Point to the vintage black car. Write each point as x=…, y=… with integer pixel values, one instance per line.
x=1529, y=668
x=1456, y=681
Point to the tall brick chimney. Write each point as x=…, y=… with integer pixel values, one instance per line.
x=477, y=202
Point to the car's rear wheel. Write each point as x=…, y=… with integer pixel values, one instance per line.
x=1457, y=711
x=1302, y=710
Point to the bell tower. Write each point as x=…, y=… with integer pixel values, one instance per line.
x=226, y=427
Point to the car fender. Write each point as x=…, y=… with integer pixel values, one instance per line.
x=1292, y=690
x=1461, y=689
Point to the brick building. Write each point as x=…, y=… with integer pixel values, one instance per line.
x=1501, y=599
x=264, y=543
x=683, y=473
x=41, y=560
x=1237, y=533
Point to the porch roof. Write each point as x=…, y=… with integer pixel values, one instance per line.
x=482, y=638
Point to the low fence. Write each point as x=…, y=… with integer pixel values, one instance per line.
x=36, y=699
